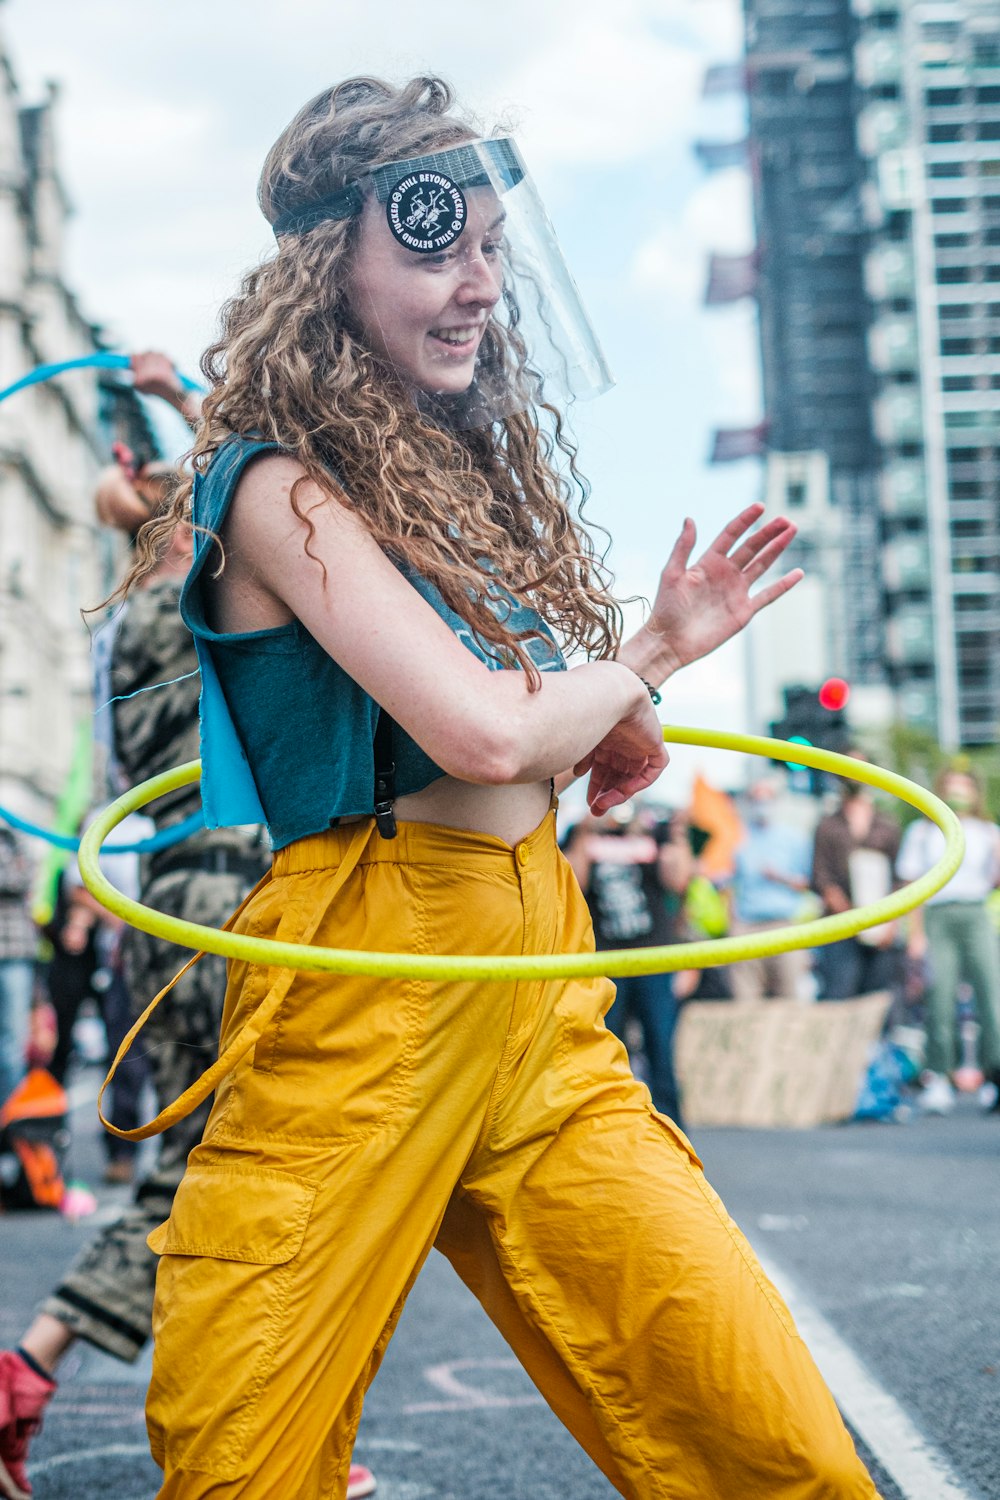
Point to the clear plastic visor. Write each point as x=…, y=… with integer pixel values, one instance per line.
x=461, y=283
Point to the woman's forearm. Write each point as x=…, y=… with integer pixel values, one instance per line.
x=519, y=736
x=648, y=655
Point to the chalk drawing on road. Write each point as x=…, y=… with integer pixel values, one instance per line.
x=123, y=1417
x=82, y=1455
x=386, y=1445
x=403, y=1489
x=917, y=1467
x=461, y=1396
x=905, y=1290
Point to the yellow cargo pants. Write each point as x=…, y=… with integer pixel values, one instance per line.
x=500, y=1123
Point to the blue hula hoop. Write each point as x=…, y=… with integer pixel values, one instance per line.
x=103, y=360
x=162, y=840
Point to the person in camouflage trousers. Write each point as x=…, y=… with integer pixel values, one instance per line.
x=107, y=1296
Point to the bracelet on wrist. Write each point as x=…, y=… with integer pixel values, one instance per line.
x=655, y=695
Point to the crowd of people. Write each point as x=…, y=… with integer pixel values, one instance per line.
x=645, y=881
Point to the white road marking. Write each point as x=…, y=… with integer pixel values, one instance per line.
x=917, y=1467
x=777, y=1223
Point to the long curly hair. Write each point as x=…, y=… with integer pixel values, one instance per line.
x=465, y=506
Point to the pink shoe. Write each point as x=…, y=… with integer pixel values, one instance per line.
x=24, y=1395
x=360, y=1482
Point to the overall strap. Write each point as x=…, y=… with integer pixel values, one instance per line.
x=385, y=776
x=251, y=1031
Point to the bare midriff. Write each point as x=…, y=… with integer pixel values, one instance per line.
x=507, y=812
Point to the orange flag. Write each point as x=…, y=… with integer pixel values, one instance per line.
x=715, y=812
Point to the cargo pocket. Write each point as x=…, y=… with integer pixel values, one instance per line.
x=227, y=1266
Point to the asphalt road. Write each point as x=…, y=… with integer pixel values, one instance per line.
x=888, y=1236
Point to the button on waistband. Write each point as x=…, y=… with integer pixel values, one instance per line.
x=522, y=855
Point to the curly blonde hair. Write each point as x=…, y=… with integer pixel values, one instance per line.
x=291, y=366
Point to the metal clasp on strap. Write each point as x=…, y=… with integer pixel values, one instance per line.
x=385, y=818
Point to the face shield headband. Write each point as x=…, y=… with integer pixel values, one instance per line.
x=537, y=343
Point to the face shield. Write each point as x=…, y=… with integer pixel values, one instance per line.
x=460, y=283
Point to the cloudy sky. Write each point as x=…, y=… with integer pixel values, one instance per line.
x=166, y=111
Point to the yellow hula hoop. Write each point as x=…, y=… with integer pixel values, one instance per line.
x=488, y=966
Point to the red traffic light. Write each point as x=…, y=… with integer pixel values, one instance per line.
x=834, y=694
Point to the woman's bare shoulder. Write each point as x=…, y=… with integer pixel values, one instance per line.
x=264, y=510
x=268, y=480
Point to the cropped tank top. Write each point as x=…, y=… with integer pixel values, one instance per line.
x=287, y=736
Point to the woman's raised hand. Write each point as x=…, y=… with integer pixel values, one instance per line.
x=698, y=607
x=628, y=759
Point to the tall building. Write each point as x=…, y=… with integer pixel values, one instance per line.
x=874, y=150
x=53, y=440
x=928, y=77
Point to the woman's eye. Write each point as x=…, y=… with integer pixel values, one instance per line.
x=440, y=258
x=492, y=248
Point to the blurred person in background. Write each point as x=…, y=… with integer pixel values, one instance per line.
x=625, y=873
x=701, y=915
x=18, y=942
x=854, y=856
x=955, y=934
x=770, y=880
x=108, y=986
x=69, y=973
x=106, y=1298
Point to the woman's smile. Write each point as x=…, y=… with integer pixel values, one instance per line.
x=459, y=338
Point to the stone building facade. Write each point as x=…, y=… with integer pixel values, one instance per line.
x=54, y=438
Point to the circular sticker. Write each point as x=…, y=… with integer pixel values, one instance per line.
x=426, y=211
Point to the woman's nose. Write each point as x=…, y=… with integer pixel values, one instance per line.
x=480, y=281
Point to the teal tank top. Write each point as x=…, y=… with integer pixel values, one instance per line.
x=287, y=736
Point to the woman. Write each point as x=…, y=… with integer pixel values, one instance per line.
x=958, y=938
x=386, y=553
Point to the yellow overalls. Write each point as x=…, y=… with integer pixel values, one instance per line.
x=375, y=1119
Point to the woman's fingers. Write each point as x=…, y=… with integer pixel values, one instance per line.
x=611, y=785
x=768, y=555
x=775, y=590
x=752, y=547
x=738, y=527
x=680, y=556
x=604, y=801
